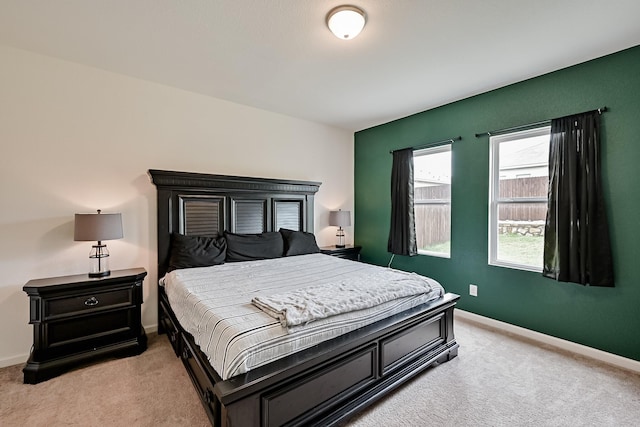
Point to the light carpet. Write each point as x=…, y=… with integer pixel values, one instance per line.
x=497, y=380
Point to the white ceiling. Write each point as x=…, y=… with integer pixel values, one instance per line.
x=278, y=55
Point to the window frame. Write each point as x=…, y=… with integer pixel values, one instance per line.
x=435, y=149
x=495, y=201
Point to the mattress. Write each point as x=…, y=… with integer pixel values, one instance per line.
x=214, y=305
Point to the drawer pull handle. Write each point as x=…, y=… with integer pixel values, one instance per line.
x=208, y=396
x=91, y=301
x=186, y=354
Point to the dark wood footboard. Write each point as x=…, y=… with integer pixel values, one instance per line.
x=328, y=383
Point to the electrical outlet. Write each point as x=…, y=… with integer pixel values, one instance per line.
x=473, y=290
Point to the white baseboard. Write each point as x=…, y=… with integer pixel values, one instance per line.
x=14, y=360
x=582, y=350
x=22, y=358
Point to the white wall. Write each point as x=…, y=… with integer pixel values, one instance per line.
x=75, y=139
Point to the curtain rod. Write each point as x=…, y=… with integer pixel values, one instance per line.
x=430, y=144
x=530, y=125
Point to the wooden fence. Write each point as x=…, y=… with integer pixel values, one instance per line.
x=433, y=224
x=523, y=187
x=433, y=220
x=433, y=210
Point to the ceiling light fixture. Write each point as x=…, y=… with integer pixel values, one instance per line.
x=346, y=22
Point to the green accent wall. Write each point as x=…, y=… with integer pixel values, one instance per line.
x=604, y=318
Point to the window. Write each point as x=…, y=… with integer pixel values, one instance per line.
x=519, y=181
x=432, y=200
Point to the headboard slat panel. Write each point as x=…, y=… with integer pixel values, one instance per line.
x=201, y=216
x=249, y=216
x=288, y=214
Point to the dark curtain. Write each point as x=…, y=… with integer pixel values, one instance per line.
x=576, y=241
x=402, y=234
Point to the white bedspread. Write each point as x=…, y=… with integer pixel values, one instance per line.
x=214, y=305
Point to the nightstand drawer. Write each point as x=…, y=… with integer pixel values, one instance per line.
x=96, y=301
x=87, y=328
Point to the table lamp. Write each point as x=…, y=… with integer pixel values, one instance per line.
x=340, y=219
x=98, y=227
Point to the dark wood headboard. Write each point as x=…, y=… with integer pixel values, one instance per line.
x=207, y=205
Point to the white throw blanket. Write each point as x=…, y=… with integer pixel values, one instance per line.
x=302, y=306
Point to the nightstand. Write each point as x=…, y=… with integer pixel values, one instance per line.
x=348, y=252
x=77, y=318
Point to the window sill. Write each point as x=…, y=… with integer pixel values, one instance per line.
x=434, y=254
x=514, y=266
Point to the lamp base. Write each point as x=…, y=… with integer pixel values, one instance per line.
x=340, y=236
x=99, y=261
x=100, y=273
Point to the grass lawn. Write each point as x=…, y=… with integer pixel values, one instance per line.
x=511, y=248
x=521, y=249
x=444, y=247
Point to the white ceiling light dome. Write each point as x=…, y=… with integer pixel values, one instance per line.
x=346, y=22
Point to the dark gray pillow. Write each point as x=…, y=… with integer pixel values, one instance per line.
x=249, y=247
x=299, y=242
x=196, y=251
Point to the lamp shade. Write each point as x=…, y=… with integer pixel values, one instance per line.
x=340, y=218
x=97, y=227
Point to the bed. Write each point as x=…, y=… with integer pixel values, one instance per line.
x=323, y=383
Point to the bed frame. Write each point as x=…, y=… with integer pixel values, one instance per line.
x=323, y=385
